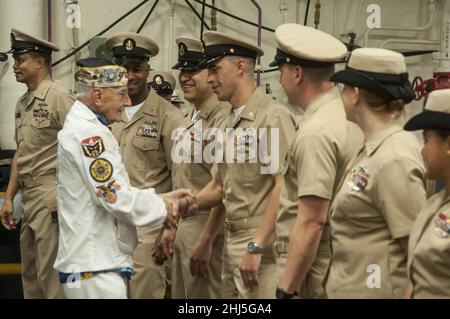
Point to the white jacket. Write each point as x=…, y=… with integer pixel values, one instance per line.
x=98, y=209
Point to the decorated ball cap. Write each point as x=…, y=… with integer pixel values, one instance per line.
x=190, y=53
x=131, y=47
x=219, y=45
x=436, y=114
x=97, y=72
x=22, y=42
x=161, y=81
x=306, y=46
x=377, y=70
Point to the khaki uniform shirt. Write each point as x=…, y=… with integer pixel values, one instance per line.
x=322, y=149
x=377, y=204
x=319, y=155
x=39, y=117
x=246, y=189
x=146, y=143
x=194, y=173
x=429, y=249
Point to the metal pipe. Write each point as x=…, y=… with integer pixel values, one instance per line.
x=172, y=34
x=390, y=41
x=431, y=13
x=49, y=27
x=203, y=19
x=258, y=60
x=317, y=14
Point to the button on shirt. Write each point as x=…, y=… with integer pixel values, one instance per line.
x=98, y=208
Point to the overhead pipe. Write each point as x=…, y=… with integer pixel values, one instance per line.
x=431, y=14
x=49, y=26
x=258, y=60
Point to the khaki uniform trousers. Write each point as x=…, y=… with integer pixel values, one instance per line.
x=39, y=236
x=184, y=285
x=312, y=285
x=149, y=279
x=237, y=235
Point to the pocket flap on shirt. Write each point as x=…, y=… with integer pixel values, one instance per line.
x=146, y=144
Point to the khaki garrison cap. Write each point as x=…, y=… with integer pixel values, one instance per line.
x=306, y=46
x=436, y=114
x=377, y=70
x=218, y=45
x=97, y=72
x=190, y=53
x=161, y=81
x=22, y=42
x=131, y=47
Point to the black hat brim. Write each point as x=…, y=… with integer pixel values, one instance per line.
x=207, y=62
x=182, y=65
x=356, y=78
x=428, y=120
x=275, y=63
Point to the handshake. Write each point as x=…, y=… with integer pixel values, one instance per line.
x=179, y=203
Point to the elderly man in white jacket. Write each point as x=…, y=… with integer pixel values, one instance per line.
x=98, y=208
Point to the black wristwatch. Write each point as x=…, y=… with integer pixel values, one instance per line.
x=283, y=294
x=253, y=248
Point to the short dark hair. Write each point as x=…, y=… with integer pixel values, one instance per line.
x=46, y=57
x=443, y=133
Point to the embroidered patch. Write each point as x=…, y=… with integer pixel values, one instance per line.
x=101, y=170
x=108, y=192
x=358, y=179
x=148, y=129
x=93, y=146
x=442, y=223
x=40, y=113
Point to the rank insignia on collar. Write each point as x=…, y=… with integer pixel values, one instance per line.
x=108, y=192
x=93, y=146
x=358, y=179
x=101, y=170
x=442, y=223
x=148, y=129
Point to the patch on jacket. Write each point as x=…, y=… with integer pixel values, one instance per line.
x=93, y=146
x=108, y=192
x=101, y=170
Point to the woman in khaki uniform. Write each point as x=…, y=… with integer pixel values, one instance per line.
x=429, y=245
x=384, y=190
